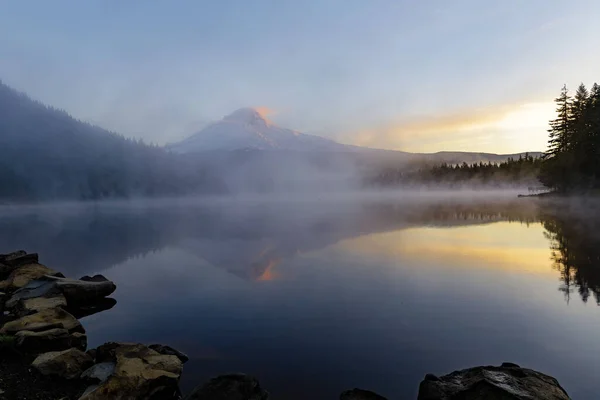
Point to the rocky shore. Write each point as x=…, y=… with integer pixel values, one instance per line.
x=44, y=354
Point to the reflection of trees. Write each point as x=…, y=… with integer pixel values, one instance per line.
x=575, y=248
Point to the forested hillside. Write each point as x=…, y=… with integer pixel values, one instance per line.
x=48, y=155
x=572, y=162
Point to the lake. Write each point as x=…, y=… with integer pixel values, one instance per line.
x=314, y=296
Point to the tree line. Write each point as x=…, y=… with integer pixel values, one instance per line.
x=521, y=171
x=572, y=162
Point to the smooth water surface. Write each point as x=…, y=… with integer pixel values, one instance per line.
x=317, y=297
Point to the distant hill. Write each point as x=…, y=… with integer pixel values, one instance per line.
x=48, y=155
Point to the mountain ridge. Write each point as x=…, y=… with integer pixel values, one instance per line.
x=249, y=129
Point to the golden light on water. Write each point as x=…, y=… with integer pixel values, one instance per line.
x=509, y=246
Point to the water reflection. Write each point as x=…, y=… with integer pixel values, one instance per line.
x=250, y=239
x=575, y=244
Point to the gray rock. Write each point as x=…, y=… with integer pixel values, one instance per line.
x=507, y=382
x=50, y=340
x=95, y=278
x=229, y=387
x=360, y=394
x=33, y=289
x=80, y=292
x=99, y=372
x=68, y=364
x=168, y=350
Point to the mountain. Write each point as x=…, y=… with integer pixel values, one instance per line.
x=247, y=128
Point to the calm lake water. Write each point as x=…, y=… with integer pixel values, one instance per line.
x=314, y=297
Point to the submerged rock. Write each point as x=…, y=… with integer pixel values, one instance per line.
x=168, y=350
x=229, y=387
x=56, y=339
x=42, y=321
x=360, y=394
x=68, y=364
x=140, y=372
x=507, y=382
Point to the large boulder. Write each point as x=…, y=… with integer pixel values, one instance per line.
x=360, y=394
x=229, y=387
x=507, y=382
x=43, y=320
x=23, y=275
x=140, y=372
x=68, y=364
x=56, y=339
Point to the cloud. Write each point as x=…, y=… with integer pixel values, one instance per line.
x=487, y=129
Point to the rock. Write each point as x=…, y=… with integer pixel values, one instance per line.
x=90, y=309
x=44, y=320
x=17, y=253
x=89, y=390
x=229, y=387
x=92, y=353
x=6, y=270
x=140, y=372
x=19, y=258
x=99, y=372
x=37, y=304
x=168, y=350
x=95, y=278
x=507, y=382
x=80, y=292
x=68, y=364
x=21, y=276
x=51, y=340
x=360, y=394
x=35, y=288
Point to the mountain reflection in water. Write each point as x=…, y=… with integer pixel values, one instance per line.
x=316, y=297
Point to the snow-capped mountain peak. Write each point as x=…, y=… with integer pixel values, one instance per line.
x=249, y=128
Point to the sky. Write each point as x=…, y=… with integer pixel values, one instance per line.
x=420, y=76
